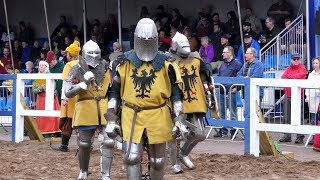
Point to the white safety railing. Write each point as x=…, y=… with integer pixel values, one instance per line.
x=295, y=126
x=276, y=54
x=49, y=102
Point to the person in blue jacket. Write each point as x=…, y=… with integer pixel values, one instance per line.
x=248, y=42
x=252, y=68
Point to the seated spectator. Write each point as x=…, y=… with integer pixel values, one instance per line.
x=280, y=11
x=292, y=43
x=193, y=41
x=177, y=20
x=246, y=29
x=29, y=70
x=5, y=37
x=26, y=53
x=206, y=51
x=232, y=28
x=255, y=22
x=26, y=33
x=205, y=28
x=218, y=50
x=271, y=32
x=216, y=21
x=295, y=71
x=10, y=70
x=17, y=50
x=42, y=57
x=97, y=35
x=46, y=47
x=164, y=42
x=248, y=42
x=216, y=35
x=35, y=51
x=110, y=29
x=57, y=30
x=7, y=60
x=161, y=15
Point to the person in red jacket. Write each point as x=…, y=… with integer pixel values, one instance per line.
x=295, y=71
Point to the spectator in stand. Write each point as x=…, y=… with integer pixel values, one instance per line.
x=26, y=53
x=25, y=33
x=295, y=41
x=96, y=32
x=110, y=29
x=177, y=20
x=295, y=71
x=117, y=51
x=216, y=20
x=255, y=22
x=232, y=28
x=246, y=29
x=312, y=95
x=164, y=42
x=161, y=15
x=280, y=11
x=17, y=50
x=10, y=70
x=35, y=51
x=47, y=125
x=57, y=30
x=29, y=69
x=229, y=68
x=271, y=32
x=42, y=57
x=55, y=67
x=60, y=38
x=6, y=60
x=45, y=47
x=76, y=33
x=67, y=42
x=216, y=35
x=224, y=42
x=193, y=41
x=248, y=42
x=5, y=37
x=206, y=52
x=205, y=28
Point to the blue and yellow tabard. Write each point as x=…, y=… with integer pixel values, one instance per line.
x=68, y=110
x=145, y=87
x=194, y=98
x=86, y=111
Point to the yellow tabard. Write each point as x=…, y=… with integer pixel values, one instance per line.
x=86, y=111
x=68, y=110
x=145, y=87
x=194, y=98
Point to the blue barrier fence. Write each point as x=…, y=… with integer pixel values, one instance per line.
x=11, y=112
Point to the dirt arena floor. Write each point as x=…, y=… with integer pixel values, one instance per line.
x=33, y=160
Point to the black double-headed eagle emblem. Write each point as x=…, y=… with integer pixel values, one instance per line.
x=189, y=83
x=142, y=83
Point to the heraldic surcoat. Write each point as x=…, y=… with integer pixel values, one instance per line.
x=68, y=110
x=145, y=86
x=91, y=105
x=194, y=98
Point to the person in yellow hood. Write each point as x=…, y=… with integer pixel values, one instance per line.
x=67, y=104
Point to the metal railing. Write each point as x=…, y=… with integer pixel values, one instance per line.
x=276, y=54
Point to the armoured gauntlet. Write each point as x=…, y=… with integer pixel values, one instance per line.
x=112, y=127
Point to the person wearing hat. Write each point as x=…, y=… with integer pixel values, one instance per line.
x=246, y=28
x=55, y=67
x=67, y=104
x=248, y=42
x=295, y=71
